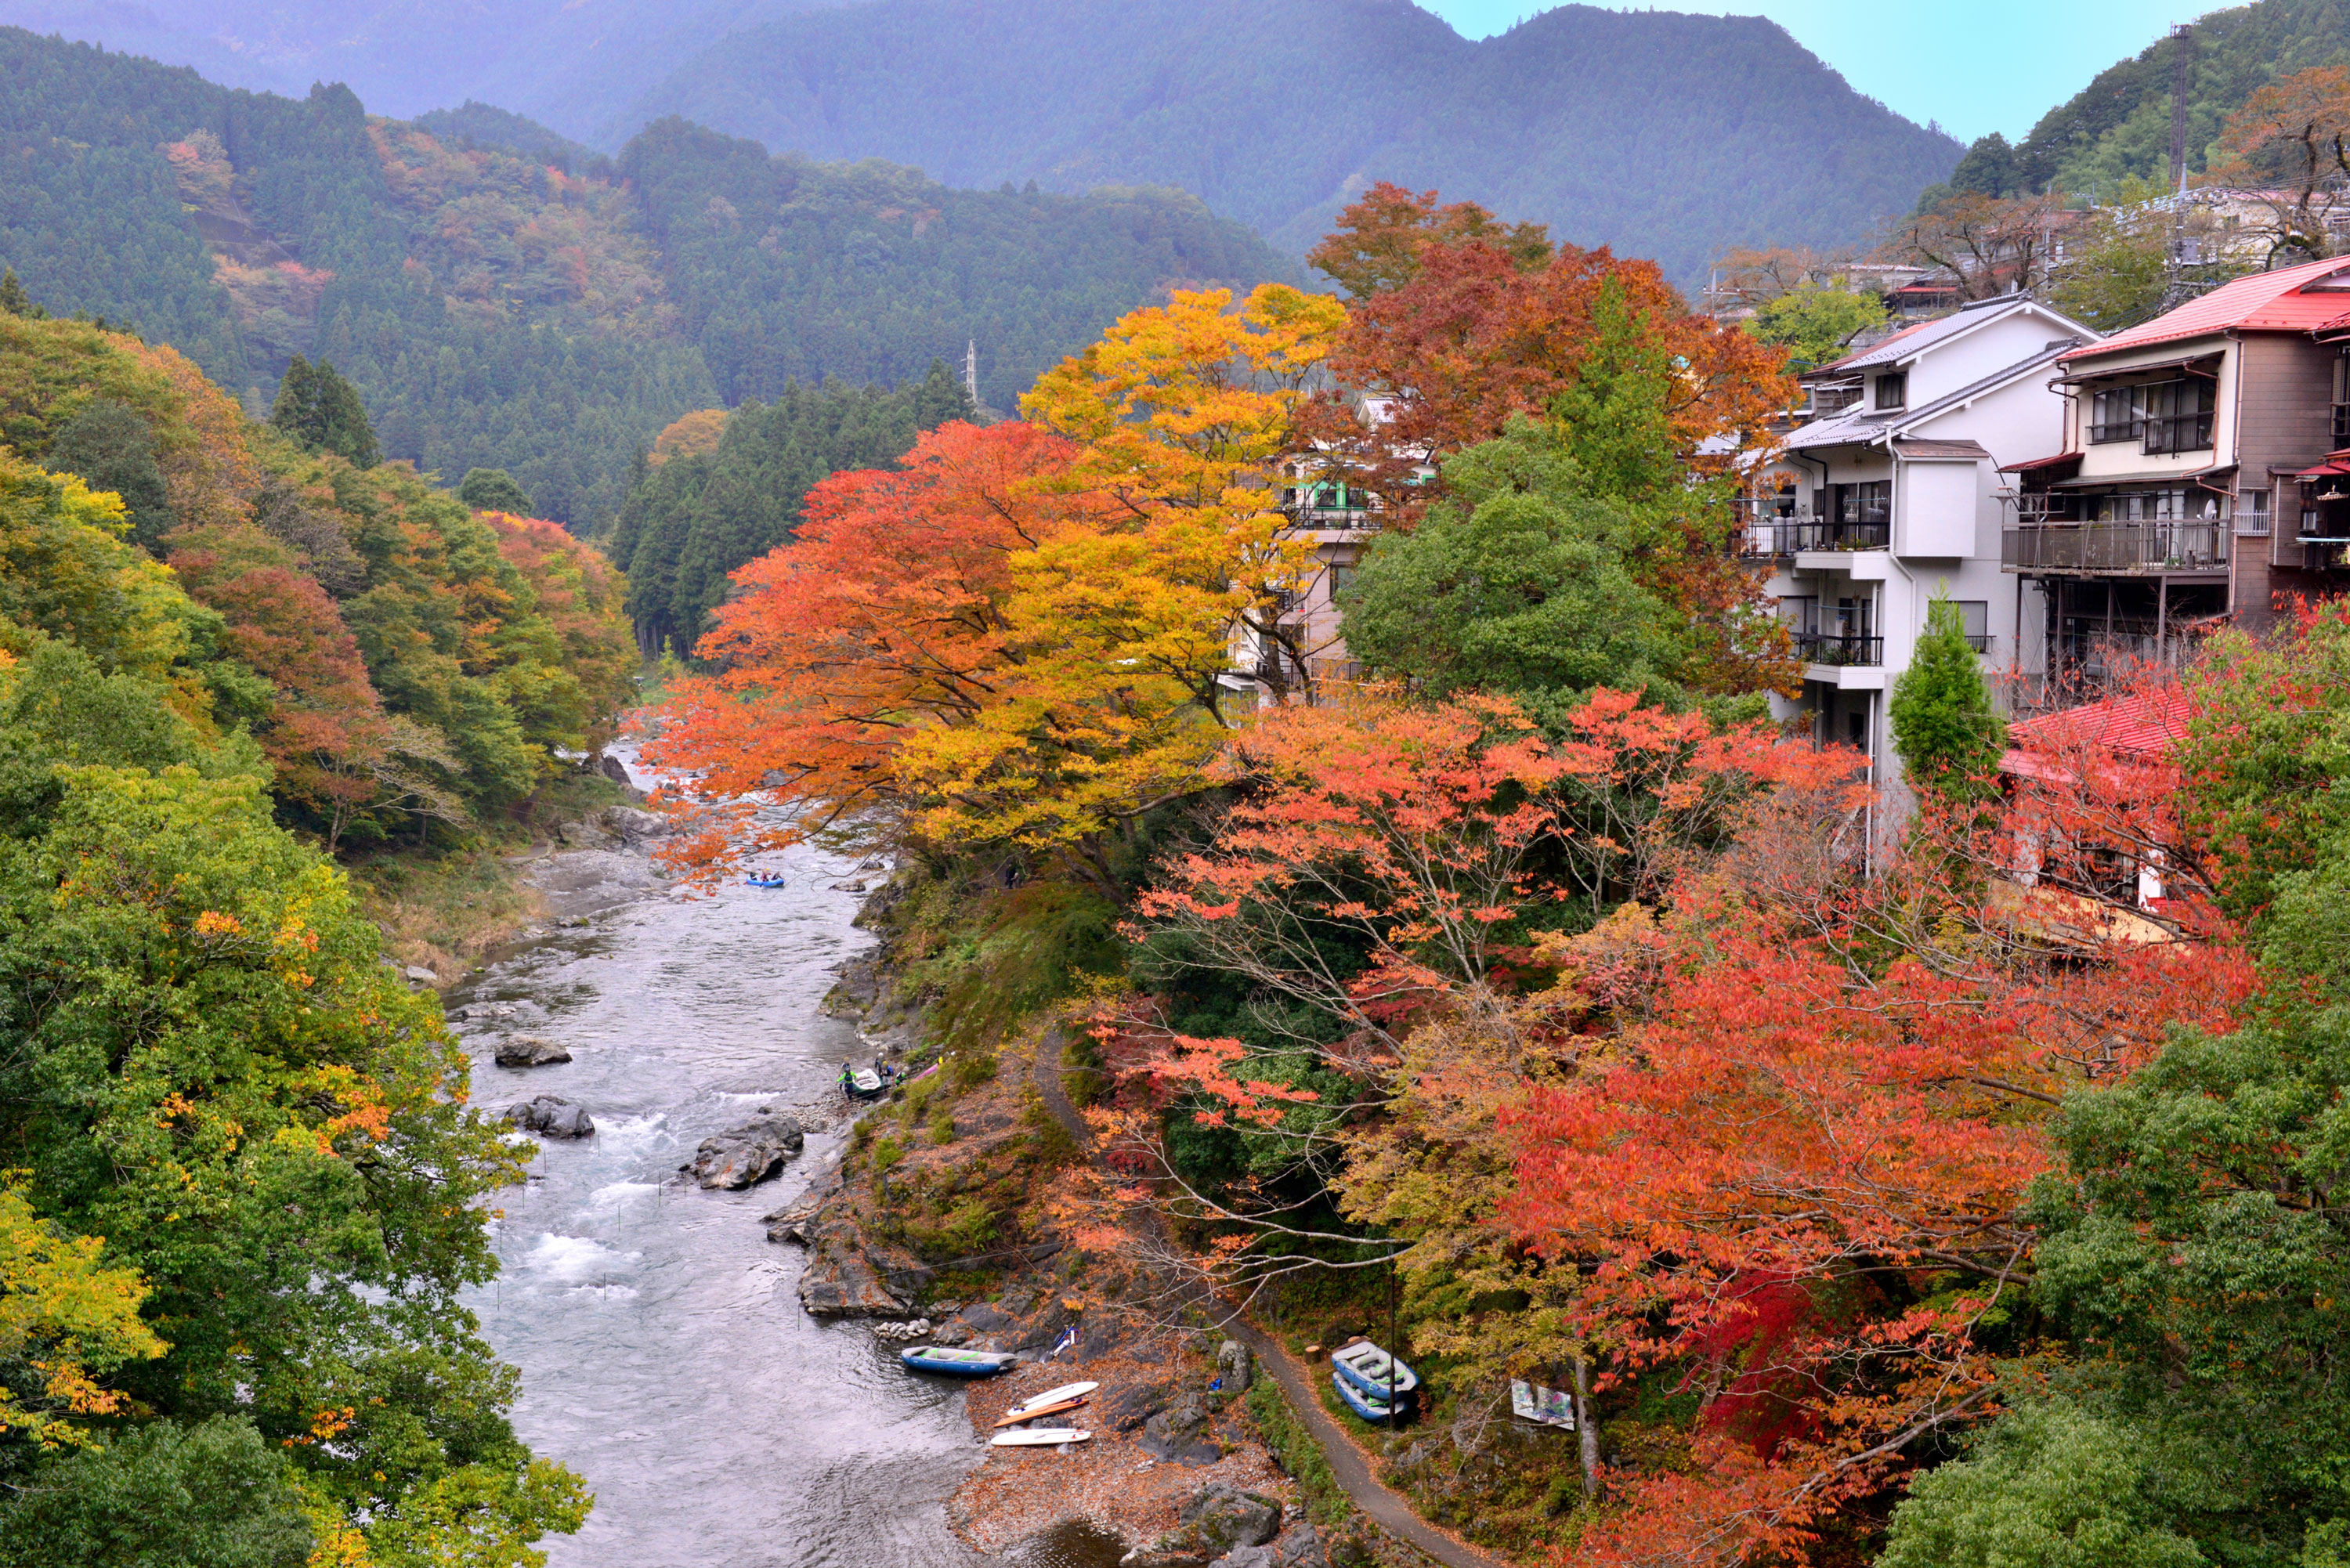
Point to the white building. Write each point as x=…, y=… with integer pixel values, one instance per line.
x=1890, y=493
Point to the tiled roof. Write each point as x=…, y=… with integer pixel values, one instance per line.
x=2263, y=302
x=1856, y=424
x=2143, y=724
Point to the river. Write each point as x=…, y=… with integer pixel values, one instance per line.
x=663, y=1351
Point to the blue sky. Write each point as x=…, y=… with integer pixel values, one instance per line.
x=1981, y=67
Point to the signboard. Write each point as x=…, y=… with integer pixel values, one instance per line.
x=1548, y=1406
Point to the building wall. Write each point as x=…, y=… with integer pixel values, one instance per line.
x=2287, y=399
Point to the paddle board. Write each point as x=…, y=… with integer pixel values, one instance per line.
x=1058, y=1407
x=1039, y=1437
x=1067, y=1391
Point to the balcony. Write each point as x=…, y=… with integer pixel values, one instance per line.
x=1360, y=518
x=1843, y=649
x=2133, y=547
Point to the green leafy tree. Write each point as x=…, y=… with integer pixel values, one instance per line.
x=1521, y=581
x=1816, y=323
x=320, y=411
x=1988, y=169
x=494, y=490
x=111, y=446
x=1947, y=731
x=2051, y=1486
x=210, y=1495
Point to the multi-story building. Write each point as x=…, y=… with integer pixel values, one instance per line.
x=2202, y=469
x=1890, y=494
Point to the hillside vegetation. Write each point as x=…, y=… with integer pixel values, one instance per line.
x=2119, y=125
x=499, y=313
x=1661, y=135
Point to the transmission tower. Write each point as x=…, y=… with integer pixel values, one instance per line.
x=970, y=370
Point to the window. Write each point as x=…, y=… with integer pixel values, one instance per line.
x=1856, y=729
x=1865, y=505
x=2118, y=415
x=2179, y=416
x=1974, y=615
x=1342, y=577
x=2253, y=514
x=1892, y=389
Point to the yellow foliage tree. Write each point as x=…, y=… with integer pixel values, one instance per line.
x=68, y=1320
x=1020, y=638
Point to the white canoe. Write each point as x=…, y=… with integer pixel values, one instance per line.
x=1039, y=1437
x=1066, y=1392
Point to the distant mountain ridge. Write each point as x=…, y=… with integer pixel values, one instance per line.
x=499, y=312
x=1664, y=135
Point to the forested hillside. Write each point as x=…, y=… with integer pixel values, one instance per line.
x=716, y=495
x=1662, y=135
x=499, y=313
x=2119, y=125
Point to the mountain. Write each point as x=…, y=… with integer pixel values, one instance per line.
x=570, y=64
x=2119, y=125
x=1664, y=135
x=498, y=312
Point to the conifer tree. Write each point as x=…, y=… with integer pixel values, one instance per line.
x=1949, y=735
x=323, y=412
x=13, y=297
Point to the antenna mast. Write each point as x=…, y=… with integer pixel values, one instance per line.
x=970, y=370
x=2183, y=42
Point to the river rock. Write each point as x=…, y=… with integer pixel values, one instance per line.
x=849, y=1275
x=633, y=826
x=789, y=1223
x=744, y=1155
x=1137, y=1405
x=582, y=835
x=552, y=1117
x=1234, y=1363
x=1226, y=1518
x=416, y=974
x=530, y=1051
x=1180, y=1432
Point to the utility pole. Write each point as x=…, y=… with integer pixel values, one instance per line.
x=970, y=371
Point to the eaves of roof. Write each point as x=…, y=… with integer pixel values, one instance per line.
x=1844, y=429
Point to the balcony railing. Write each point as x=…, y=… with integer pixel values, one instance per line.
x=1831, y=647
x=1357, y=517
x=2179, y=432
x=2114, y=548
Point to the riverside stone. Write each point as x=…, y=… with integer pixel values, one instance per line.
x=552, y=1117
x=1234, y=1363
x=744, y=1155
x=530, y=1051
x=1223, y=1518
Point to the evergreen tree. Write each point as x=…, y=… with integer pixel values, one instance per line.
x=494, y=490
x=322, y=412
x=13, y=297
x=1948, y=734
x=111, y=447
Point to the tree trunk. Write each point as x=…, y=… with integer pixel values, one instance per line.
x=1586, y=1430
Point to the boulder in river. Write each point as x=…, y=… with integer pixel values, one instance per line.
x=744, y=1155
x=1225, y=1517
x=530, y=1051
x=551, y=1116
x=634, y=826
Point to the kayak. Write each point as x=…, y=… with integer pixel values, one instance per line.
x=755, y=880
x=1035, y=1402
x=1039, y=1437
x=1370, y=1407
x=961, y=1362
x=1370, y=1368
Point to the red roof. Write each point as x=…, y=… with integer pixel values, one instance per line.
x=2263, y=302
x=2142, y=725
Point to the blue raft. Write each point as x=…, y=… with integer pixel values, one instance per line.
x=755, y=880
x=957, y=1363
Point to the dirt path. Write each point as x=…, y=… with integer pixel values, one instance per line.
x=1348, y=1462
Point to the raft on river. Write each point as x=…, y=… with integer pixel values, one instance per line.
x=756, y=881
x=865, y=1082
x=959, y=1363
